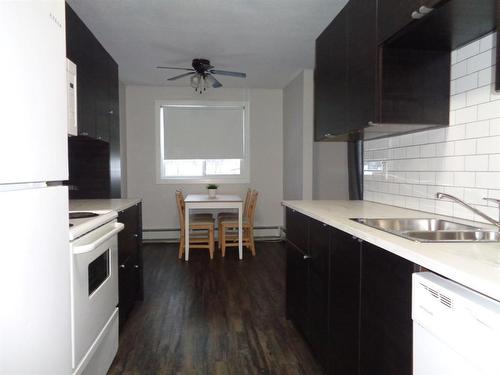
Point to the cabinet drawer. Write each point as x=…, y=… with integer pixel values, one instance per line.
x=297, y=229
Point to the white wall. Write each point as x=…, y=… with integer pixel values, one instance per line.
x=298, y=137
x=266, y=153
x=330, y=179
x=462, y=160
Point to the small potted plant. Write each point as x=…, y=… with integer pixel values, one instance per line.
x=212, y=190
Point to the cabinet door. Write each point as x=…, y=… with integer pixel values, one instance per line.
x=128, y=284
x=330, y=80
x=362, y=62
x=101, y=94
x=393, y=15
x=319, y=237
x=344, y=302
x=128, y=238
x=386, y=325
x=297, y=285
x=114, y=129
x=297, y=229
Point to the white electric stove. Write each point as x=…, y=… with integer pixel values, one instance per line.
x=94, y=290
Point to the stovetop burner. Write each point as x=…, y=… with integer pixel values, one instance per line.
x=82, y=215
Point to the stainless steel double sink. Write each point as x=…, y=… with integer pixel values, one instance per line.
x=432, y=230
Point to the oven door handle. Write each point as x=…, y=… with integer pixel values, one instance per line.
x=93, y=245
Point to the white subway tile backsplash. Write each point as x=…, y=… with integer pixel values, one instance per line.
x=468, y=50
x=494, y=163
x=488, y=42
x=465, y=83
x=495, y=126
x=465, y=147
x=476, y=163
x=477, y=96
x=488, y=145
x=459, y=69
x=479, y=62
x=462, y=159
x=486, y=76
x=478, y=129
x=458, y=101
x=445, y=149
x=444, y=178
x=488, y=180
x=465, y=115
x=464, y=179
x=488, y=110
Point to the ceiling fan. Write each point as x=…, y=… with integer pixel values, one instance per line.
x=202, y=74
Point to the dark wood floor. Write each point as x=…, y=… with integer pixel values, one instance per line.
x=223, y=316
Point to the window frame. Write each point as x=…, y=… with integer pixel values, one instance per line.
x=243, y=177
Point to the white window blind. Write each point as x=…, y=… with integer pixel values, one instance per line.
x=203, y=132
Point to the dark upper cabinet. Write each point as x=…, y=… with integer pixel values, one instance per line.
x=362, y=63
x=344, y=302
x=394, y=15
x=331, y=79
x=392, y=63
x=97, y=113
x=385, y=324
x=93, y=78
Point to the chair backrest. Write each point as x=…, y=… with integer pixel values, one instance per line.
x=251, y=207
x=180, y=207
x=247, y=202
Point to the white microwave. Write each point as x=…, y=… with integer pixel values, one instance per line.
x=72, y=96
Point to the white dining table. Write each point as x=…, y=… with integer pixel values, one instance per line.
x=220, y=201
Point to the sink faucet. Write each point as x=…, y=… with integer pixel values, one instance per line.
x=475, y=210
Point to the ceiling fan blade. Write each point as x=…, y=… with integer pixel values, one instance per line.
x=213, y=81
x=172, y=67
x=180, y=76
x=228, y=73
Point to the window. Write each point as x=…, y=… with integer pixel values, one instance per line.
x=202, y=142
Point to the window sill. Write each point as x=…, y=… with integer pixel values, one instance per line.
x=203, y=180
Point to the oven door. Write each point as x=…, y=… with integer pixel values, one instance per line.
x=94, y=282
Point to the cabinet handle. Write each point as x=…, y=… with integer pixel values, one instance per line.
x=136, y=235
x=122, y=265
x=425, y=10
x=307, y=257
x=84, y=133
x=99, y=138
x=416, y=15
x=136, y=266
x=324, y=225
x=111, y=112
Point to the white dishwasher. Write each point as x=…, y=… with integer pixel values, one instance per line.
x=456, y=331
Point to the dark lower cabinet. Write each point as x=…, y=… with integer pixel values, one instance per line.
x=297, y=287
x=385, y=324
x=344, y=303
x=130, y=275
x=319, y=281
x=350, y=300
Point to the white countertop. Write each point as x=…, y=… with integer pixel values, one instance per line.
x=102, y=204
x=475, y=265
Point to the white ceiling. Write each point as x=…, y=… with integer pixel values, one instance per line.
x=270, y=40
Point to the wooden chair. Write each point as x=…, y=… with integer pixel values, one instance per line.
x=232, y=215
x=228, y=228
x=201, y=227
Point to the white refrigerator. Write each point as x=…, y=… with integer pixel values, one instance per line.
x=35, y=308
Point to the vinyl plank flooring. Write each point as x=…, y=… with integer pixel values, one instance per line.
x=223, y=316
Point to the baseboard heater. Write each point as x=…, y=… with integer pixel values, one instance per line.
x=172, y=234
